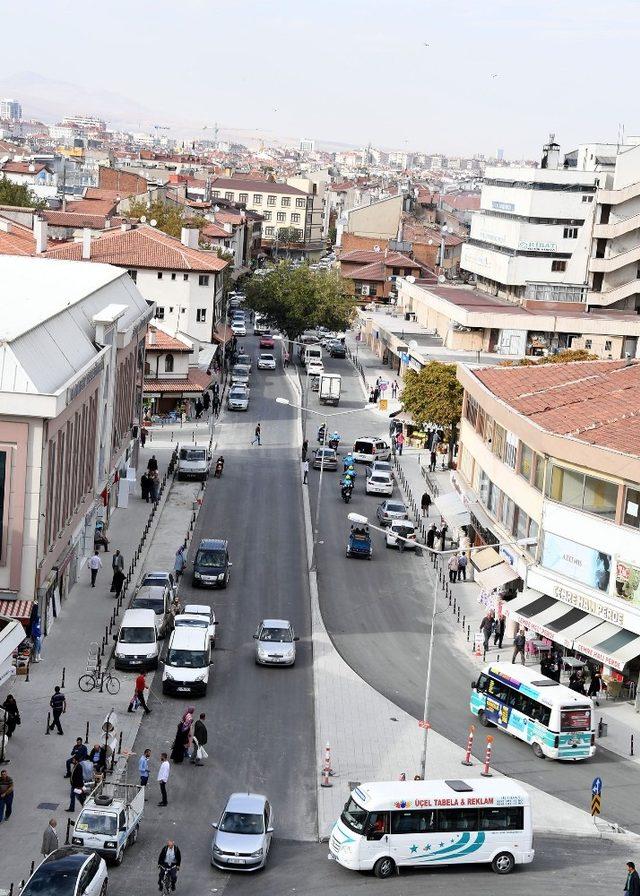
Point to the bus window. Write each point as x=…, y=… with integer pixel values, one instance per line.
x=498, y=690
x=509, y=818
x=418, y=822
x=377, y=825
x=481, y=684
x=458, y=819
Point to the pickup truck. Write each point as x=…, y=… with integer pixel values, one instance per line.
x=109, y=820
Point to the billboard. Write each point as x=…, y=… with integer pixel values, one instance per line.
x=576, y=561
x=628, y=582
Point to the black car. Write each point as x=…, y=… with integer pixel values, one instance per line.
x=337, y=349
x=211, y=565
x=69, y=871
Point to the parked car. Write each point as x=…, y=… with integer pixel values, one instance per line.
x=337, y=349
x=200, y=614
x=267, y=341
x=238, y=328
x=244, y=358
x=275, y=643
x=240, y=373
x=391, y=510
x=381, y=466
x=186, y=667
x=242, y=835
x=238, y=398
x=379, y=484
x=369, y=449
x=157, y=598
x=158, y=577
x=68, y=871
x=405, y=529
x=212, y=567
x=137, y=645
x=330, y=459
x=266, y=361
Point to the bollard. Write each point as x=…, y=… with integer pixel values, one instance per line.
x=484, y=654
x=106, y=633
x=464, y=621
x=449, y=598
x=49, y=723
x=120, y=744
x=454, y=605
x=487, y=759
x=26, y=678
x=458, y=619
x=631, y=754
x=467, y=755
x=468, y=633
x=33, y=865
x=86, y=734
x=64, y=670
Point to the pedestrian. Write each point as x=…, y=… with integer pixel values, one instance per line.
x=632, y=883
x=425, y=504
x=595, y=686
x=143, y=768
x=378, y=381
x=117, y=564
x=145, y=487
x=143, y=436
x=138, y=694
x=498, y=632
x=206, y=400
x=518, y=646
x=286, y=358
x=95, y=757
x=183, y=735
x=372, y=395
x=462, y=566
x=199, y=409
x=36, y=637
x=442, y=535
x=400, y=442
x=6, y=796
x=200, y=737
x=576, y=681
x=76, y=791
x=453, y=567
x=153, y=464
x=155, y=486
x=305, y=471
x=486, y=627
x=50, y=840
x=169, y=862
x=58, y=705
x=433, y=459
x=215, y=405
x=257, y=436
x=305, y=449
x=179, y=563
x=12, y=714
x=94, y=564
x=216, y=390
x=79, y=752
x=431, y=536
x=163, y=777
x=376, y=394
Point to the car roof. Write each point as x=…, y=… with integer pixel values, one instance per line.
x=275, y=623
x=150, y=591
x=202, y=609
x=188, y=637
x=157, y=574
x=138, y=618
x=245, y=802
x=212, y=544
x=67, y=858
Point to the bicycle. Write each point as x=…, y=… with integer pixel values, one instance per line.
x=165, y=879
x=91, y=680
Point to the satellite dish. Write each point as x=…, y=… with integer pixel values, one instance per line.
x=441, y=278
x=413, y=344
x=410, y=279
x=153, y=223
x=376, y=248
x=143, y=218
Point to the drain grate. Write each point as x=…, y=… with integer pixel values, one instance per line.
x=50, y=807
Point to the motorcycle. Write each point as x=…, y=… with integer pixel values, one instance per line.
x=334, y=441
x=346, y=492
x=322, y=432
x=219, y=468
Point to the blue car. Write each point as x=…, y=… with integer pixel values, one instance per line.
x=359, y=543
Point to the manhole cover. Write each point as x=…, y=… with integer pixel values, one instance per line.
x=50, y=807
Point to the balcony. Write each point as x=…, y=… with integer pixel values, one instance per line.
x=617, y=294
x=615, y=262
x=616, y=197
x=616, y=228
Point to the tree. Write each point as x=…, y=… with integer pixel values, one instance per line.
x=297, y=299
x=564, y=357
x=434, y=396
x=288, y=235
x=18, y=195
x=170, y=219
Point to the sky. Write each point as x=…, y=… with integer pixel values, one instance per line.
x=459, y=77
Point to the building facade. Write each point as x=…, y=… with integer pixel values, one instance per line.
x=10, y=109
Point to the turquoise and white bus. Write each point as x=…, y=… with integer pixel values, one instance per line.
x=558, y=723
x=421, y=824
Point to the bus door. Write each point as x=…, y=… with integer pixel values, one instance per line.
x=496, y=708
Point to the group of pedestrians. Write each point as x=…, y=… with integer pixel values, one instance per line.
x=437, y=538
x=150, y=482
x=457, y=566
x=492, y=625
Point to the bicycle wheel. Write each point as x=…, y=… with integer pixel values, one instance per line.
x=112, y=684
x=86, y=682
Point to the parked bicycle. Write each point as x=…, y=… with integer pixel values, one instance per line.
x=92, y=679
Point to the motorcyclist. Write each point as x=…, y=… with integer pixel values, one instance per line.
x=220, y=465
x=347, y=461
x=321, y=433
x=169, y=860
x=334, y=440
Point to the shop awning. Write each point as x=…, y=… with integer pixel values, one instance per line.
x=451, y=507
x=223, y=333
x=496, y=576
x=16, y=609
x=609, y=644
x=485, y=558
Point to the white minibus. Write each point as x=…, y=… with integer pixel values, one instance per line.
x=394, y=824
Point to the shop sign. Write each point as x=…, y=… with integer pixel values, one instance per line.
x=84, y=380
x=536, y=246
x=575, y=561
x=590, y=605
x=628, y=583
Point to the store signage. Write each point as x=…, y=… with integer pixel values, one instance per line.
x=503, y=206
x=590, y=605
x=536, y=246
x=83, y=381
x=576, y=561
x=628, y=582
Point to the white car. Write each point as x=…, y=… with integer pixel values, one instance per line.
x=238, y=329
x=315, y=368
x=266, y=362
x=405, y=529
x=379, y=484
x=238, y=398
x=199, y=615
x=381, y=466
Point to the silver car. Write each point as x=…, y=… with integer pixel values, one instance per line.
x=238, y=398
x=243, y=834
x=391, y=510
x=275, y=643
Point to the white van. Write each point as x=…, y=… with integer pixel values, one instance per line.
x=194, y=462
x=392, y=824
x=137, y=641
x=312, y=353
x=186, y=667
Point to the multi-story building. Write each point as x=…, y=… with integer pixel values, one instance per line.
x=10, y=109
x=550, y=457
x=72, y=347
x=40, y=179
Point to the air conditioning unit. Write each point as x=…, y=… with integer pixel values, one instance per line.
x=364, y=290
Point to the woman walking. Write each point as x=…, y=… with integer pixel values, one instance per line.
x=12, y=714
x=183, y=734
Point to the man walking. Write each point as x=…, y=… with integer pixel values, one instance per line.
x=400, y=442
x=95, y=563
x=453, y=567
x=498, y=633
x=305, y=449
x=632, y=883
x=486, y=627
x=152, y=466
x=143, y=768
x=200, y=737
x=257, y=436
x=163, y=777
x=58, y=705
x=431, y=535
x=462, y=567
x=139, y=689
x=6, y=796
x=77, y=786
x=305, y=471
x=518, y=646
x=50, y=840
x=425, y=503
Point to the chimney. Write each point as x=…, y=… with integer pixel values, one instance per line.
x=5, y=226
x=125, y=225
x=152, y=335
x=189, y=237
x=41, y=234
x=86, y=243
x=228, y=227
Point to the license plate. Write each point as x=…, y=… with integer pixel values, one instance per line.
x=182, y=689
x=234, y=860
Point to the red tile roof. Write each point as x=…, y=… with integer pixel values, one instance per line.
x=79, y=219
x=101, y=193
x=417, y=232
x=257, y=186
x=92, y=206
x=19, y=240
x=143, y=247
x=196, y=382
x=229, y=216
x=597, y=402
x=368, y=256
x=164, y=342
x=24, y=168
x=214, y=232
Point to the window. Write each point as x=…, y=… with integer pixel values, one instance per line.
x=281, y=216
x=229, y=195
x=570, y=233
x=588, y=493
x=183, y=310
x=201, y=315
x=266, y=215
x=295, y=218
x=215, y=194
x=257, y=199
x=538, y=476
x=170, y=309
x=558, y=265
x=268, y=231
x=168, y=363
x=631, y=514
x=416, y=822
x=133, y=274
x=159, y=275
x=588, y=343
x=173, y=276
x=504, y=818
x=511, y=450
x=471, y=410
x=243, y=197
x=300, y=203
x=159, y=313
x=520, y=524
x=493, y=500
x=271, y=200
x=608, y=345
x=526, y=461
x=587, y=198
x=203, y=280
x=458, y=820
x=499, y=438
x=600, y=497
x=185, y=276
x=285, y=201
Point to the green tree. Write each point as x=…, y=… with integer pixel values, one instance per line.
x=18, y=195
x=333, y=234
x=434, y=395
x=297, y=299
x=570, y=354
x=170, y=219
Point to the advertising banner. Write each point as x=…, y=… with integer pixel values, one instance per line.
x=628, y=582
x=576, y=561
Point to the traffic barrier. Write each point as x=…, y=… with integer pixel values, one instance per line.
x=467, y=755
x=487, y=759
x=326, y=770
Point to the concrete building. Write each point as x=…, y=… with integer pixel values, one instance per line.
x=10, y=109
x=172, y=378
x=40, y=179
x=552, y=454
x=72, y=347
x=374, y=274
x=375, y=221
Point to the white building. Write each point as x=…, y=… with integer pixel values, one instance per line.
x=10, y=109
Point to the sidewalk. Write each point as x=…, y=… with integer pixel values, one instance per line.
x=36, y=760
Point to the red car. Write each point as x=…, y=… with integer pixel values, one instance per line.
x=267, y=341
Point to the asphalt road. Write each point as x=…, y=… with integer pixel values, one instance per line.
x=378, y=614
x=260, y=721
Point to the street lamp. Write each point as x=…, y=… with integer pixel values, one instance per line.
x=520, y=542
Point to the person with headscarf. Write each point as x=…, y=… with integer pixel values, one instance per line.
x=182, y=738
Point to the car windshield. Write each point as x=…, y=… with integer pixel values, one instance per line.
x=266, y=357
x=96, y=823
x=129, y=635
x=242, y=823
x=238, y=393
x=52, y=882
x=403, y=530
x=155, y=579
x=276, y=634
x=395, y=508
x=192, y=454
x=353, y=816
x=191, y=659
x=363, y=447
x=195, y=623
x=210, y=558
x=148, y=603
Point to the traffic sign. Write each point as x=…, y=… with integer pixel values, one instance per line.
x=595, y=805
x=596, y=787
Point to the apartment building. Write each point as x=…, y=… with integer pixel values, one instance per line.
x=72, y=347
x=550, y=454
x=11, y=109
